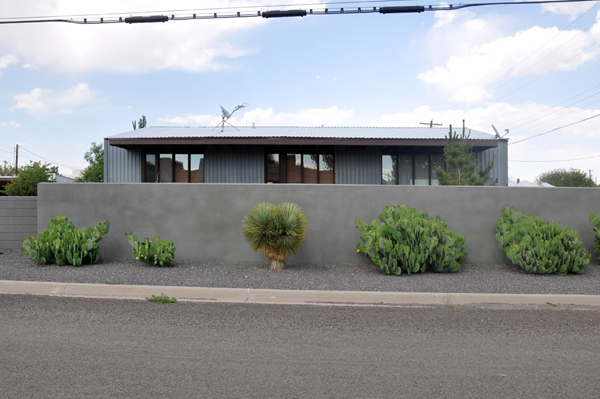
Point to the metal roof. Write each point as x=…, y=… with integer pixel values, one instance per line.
x=157, y=132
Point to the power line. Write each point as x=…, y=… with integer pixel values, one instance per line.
x=273, y=14
x=555, y=129
x=559, y=160
x=46, y=159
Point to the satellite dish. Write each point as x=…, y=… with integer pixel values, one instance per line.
x=498, y=136
x=225, y=115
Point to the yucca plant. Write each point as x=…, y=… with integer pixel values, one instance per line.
x=276, y=230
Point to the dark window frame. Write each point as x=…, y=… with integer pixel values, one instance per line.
x=283, y=153
x=157, y=161
x=413, y=166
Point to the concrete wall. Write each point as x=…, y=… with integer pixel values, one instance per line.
x=204, y=219
x=18, y=219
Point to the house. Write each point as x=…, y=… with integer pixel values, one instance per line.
x=316, y=155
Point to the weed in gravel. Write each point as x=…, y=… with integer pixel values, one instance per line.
x=162, y=298
x=111, y=281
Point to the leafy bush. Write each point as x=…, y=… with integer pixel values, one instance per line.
x=29, y=177
x=408, y=241
x=595, y=222
x=62, y=244
x=278, y=230
x=158, y=253
x=539, y=247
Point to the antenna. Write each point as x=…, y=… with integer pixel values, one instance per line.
x=431, y=124
x=498, y=134
x=225, y=115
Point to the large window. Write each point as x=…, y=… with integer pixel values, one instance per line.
x=173, y=167
x=410, y=169
x=299, y=167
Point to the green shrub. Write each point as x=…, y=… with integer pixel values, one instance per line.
x=278, y=230
x=539, y=247
x=158, y=253
x=595, y=222
x=408, y=241
x=62, y=244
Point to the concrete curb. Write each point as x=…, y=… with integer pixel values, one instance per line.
x=290, y=297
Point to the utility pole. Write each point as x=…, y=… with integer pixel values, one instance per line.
x=590, y=173
x=17, y=161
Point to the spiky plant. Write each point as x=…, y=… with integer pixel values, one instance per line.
x=276, y=230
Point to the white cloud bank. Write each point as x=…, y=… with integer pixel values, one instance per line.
x=11, y=123
x=6, y=61
x=572, y=9
x=477, y=62
x=333, y=116
x=60, y=101
x=182, y=45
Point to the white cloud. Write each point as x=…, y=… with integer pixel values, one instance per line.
x=305, y=117
x=7, y=60
x=14, y=124
x=59, y=101
x=468, y=71
x=196, y=46
x=572, y=9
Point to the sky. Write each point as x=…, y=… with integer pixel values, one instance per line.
x=530, y=69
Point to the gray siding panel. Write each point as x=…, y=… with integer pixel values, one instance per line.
x=358, y=165
x=122, y=165
x=234, y=164
x=500, y=157
x=18, y=220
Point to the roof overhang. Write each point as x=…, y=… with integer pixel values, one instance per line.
x=282, y=141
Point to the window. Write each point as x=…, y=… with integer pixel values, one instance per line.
x=410, y=169
x=299, y=167
x=173, y=167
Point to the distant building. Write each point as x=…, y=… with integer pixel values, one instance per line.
x=316, y=155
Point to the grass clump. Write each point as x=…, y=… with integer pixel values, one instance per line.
x=162, y=298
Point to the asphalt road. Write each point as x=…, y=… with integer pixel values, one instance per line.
x=54, y=347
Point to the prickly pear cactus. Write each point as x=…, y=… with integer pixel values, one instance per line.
x=408, y=241
x=539, y=247
x=158, y=253
x=595, y=222
x=62, y=244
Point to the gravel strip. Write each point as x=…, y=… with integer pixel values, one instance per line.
x=472, y=278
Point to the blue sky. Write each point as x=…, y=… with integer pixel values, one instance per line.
x=527, y=68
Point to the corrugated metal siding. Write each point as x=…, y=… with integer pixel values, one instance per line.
x=500, y=157
x=121, y=165
x=357, y=165
x=234, y=164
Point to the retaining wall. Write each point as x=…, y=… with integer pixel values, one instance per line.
x=18, y=219
x=204, y=219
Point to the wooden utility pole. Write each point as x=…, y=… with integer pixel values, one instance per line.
x=17, y=161
x=431, y=124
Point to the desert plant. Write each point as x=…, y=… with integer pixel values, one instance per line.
x=595, y=222
x=538, y=246
x=276, y=230
x=62, y=244
x=408, y=241
x=158, y=253
x=162, y=298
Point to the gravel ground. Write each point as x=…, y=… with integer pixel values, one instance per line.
x=472, y=278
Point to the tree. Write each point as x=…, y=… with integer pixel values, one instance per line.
x=95, y=170
x=566, y=178
x=29, y=177
x=461, y=167
x=7, y=169
x=141, y=124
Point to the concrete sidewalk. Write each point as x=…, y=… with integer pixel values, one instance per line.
x=291, y=297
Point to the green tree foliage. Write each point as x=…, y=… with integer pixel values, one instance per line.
x=94, y=173
x=276, y=230
x=566, y=178
x=7, y=169
x=141, y=124
x=29, y=177
x=461, y=167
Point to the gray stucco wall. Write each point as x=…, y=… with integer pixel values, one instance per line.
x=18, y=220
x=204, y=219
